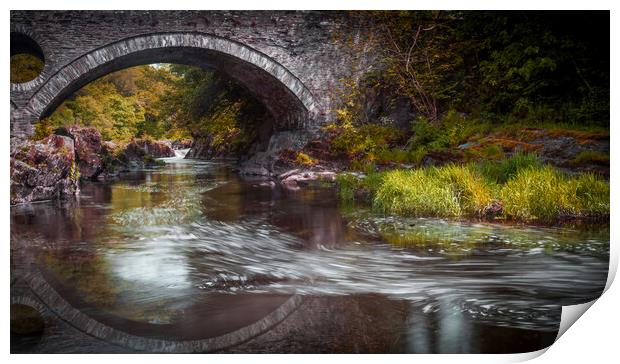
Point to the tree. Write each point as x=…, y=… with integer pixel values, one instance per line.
x=418, y=56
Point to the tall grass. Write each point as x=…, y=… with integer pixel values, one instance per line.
x=348, y=184
x=591, y=157
x=414, y=193
x=541, y=193
x=468, y=187
x=448, y=191
x=502, y=171
x=526, y=190
x=544, y=193
x=593, y=195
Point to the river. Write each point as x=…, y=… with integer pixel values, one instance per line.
x=192, y=253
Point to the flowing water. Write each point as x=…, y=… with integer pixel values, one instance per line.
x=190, y=251
x=181, y=153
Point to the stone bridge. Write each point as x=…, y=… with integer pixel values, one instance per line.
x=290, y=61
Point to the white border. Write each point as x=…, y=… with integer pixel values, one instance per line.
x=593, y=337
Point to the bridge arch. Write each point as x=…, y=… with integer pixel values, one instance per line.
x=25, y=40
x=288, y=100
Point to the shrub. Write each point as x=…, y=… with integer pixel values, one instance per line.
x=366, y=141
x=452, y=130
x=304, y=159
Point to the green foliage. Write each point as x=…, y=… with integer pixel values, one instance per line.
x=447, y=191
x=591, y=157
x=304, y=159
x=539, y=63
x=452, y=130
x=544, y=193
x=162, y=102
x=121, y=106
x=364, y=142
x=208, y=105
x=348, y=184
x=526, y=189
x=25, y=67
x=501, y=171
x=415, y=193
x=221, y=125
x=593, y=195
x=530, y=65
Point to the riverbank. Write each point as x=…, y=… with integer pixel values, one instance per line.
x=54, y=166
x=529, y=192
x=510, y=174
x=541, y=176
x=224, y=246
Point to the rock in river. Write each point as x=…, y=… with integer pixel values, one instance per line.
x=294, y=179
x=153, y=148
x=43, y=170
x=87, y=148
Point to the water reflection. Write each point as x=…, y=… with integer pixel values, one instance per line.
x=165, y=250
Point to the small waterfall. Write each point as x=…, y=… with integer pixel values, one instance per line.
x=180, y=153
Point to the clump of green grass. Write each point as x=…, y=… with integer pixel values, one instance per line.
x=348, y=184
x=414, y=193
x=493, y=151
x=591, y=157
x=397, y=155
x=502, y=171
x=447, y=191
x=531, y=191
x=538, y=194
x=593, y=195
x=545, y=193
x=361, y=166
x=469, y=188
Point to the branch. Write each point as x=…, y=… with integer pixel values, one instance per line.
x=415, y=41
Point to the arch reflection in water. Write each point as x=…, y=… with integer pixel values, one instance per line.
x=191, y=251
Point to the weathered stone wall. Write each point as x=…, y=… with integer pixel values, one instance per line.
x=289, y=59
